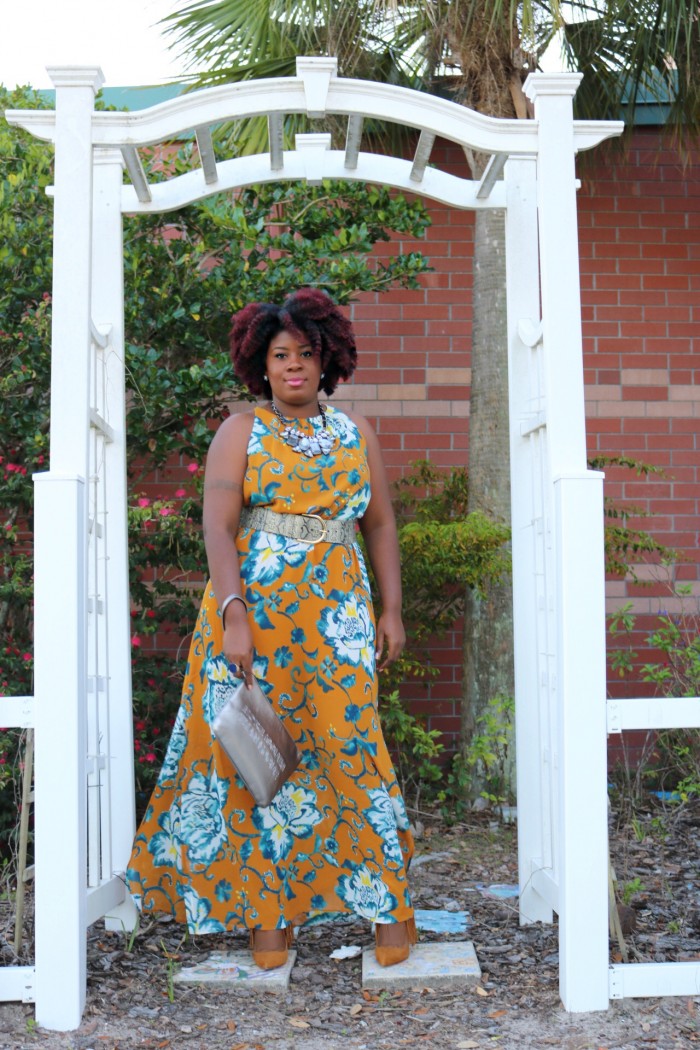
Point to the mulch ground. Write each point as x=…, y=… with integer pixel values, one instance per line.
x=132, y=1002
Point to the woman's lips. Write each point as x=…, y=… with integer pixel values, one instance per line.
x=295, y=382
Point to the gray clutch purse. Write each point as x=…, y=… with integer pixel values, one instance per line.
x=256, y=741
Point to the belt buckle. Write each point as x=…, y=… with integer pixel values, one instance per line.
x=321, y=522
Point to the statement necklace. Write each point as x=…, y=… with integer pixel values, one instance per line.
x=315, y=444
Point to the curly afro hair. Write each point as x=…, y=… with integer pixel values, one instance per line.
x=308, y=314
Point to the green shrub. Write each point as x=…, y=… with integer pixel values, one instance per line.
x=443, y=551
x=671, y=758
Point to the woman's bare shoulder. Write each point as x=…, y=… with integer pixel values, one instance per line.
x=236, y=428
x=362, y=424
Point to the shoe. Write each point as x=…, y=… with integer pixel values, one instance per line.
x=393, y=941
x=270, y=948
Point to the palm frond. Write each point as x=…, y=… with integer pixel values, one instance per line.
x=626, y=49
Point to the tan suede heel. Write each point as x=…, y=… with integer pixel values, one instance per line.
x=271, y=958
x=399, y=951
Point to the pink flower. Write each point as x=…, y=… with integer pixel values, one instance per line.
x=193, y=468
x=180, y=493
x=144, y=502
x=164, y=511
x=26, y=656
x=135, y=641
x=149, y=757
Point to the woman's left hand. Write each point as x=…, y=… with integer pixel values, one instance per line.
x=391, y=638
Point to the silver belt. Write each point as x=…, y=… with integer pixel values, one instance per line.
x=307, y=528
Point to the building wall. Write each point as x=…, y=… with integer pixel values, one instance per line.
x=639, y=238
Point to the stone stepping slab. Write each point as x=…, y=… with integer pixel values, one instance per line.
x=238, y=972
x=447, y=965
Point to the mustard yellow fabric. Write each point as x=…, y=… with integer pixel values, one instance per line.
x=335, y=841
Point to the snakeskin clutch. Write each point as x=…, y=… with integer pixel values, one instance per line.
x=256, y=741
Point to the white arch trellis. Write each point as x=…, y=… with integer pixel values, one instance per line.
x=81, y=710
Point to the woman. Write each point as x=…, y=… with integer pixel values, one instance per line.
x=289, y=601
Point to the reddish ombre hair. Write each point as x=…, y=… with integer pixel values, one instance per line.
x=309, y=315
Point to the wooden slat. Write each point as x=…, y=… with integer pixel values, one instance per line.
x=352, y=141
x=644, y=980
x=545, y=884
x=494, y=168
x=681, y=712
x=17, y=984
x=207, y=156
x=422, y=155
x=275, y=131
x=137, y=174
x=17, y=712
x=102, y=898
x=101, y=424
x=532, y=423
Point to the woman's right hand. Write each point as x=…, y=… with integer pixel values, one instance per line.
x=238, y=643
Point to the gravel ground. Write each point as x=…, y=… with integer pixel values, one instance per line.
x=131, y=1002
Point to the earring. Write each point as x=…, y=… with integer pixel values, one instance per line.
x=323, y=375
x=265, y=378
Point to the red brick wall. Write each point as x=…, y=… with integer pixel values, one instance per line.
x=639, y=223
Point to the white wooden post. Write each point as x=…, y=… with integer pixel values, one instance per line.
x=583, y=878
x=580, y=686
x=60, y=741
x=553, y=95
x=70, y=338
x=60, y=574
x=526, y=419
x=108, y=315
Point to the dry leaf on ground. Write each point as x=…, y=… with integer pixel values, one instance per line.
x=299, y=1022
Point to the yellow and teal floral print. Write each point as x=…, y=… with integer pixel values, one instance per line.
x=335, y=841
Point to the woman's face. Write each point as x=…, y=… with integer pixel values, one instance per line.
x=293, y=371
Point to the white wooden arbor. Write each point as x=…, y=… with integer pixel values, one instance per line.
x=81, y=710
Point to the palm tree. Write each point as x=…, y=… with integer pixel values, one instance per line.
x=478, y=52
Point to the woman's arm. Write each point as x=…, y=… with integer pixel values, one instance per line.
x=378, y=527
x=223, y=500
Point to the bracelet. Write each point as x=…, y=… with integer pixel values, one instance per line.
x=225, y=604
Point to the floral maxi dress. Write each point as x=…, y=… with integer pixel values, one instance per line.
x=335, y=840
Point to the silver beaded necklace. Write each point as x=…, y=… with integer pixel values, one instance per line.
x=316, y=444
